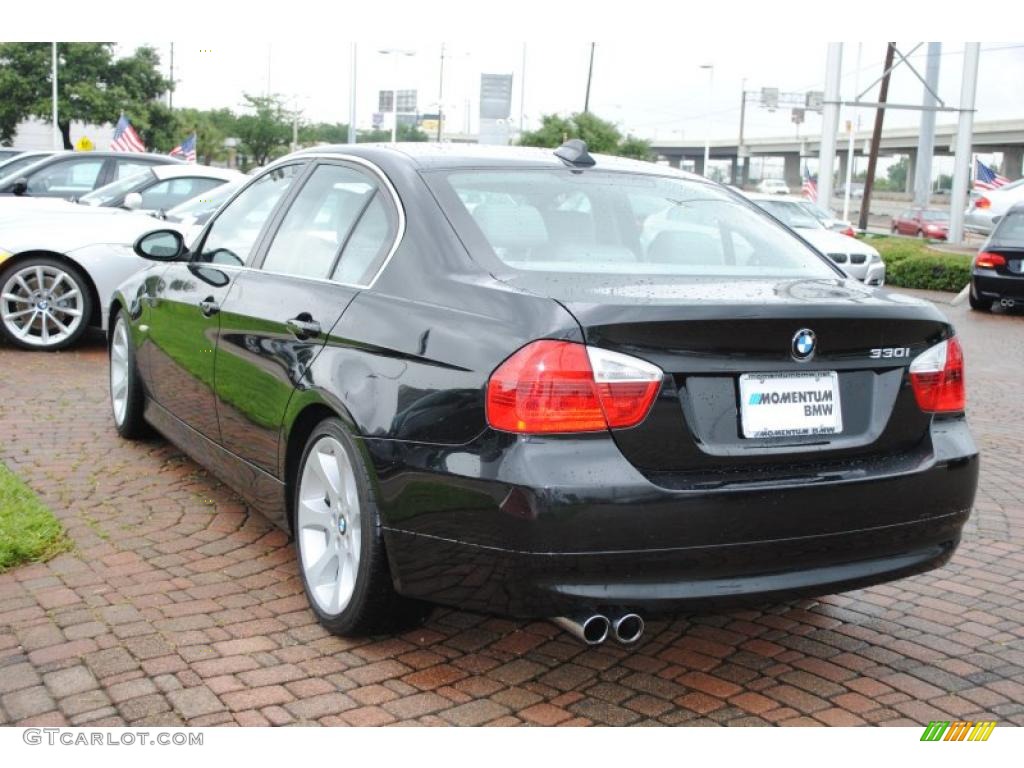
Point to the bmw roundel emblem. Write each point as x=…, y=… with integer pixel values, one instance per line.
x=804, y=344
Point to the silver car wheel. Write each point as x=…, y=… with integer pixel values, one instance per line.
x=41, y=305
x=329, y=529
x=119, y=371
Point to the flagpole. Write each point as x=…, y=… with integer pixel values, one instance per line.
x=58, y=140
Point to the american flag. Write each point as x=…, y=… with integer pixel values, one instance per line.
x=810, y=187
x=186, y=150
x=125, y=138
x=986, y=178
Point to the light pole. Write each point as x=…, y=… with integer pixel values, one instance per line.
x=707, y=135
x=396, y=52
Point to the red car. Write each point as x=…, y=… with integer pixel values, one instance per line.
x=921, y=222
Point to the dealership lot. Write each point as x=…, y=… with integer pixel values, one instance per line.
x=179, y=606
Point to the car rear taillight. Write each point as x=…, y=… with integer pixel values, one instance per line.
x=560, y=386
x=849, y=232
x=989, y=260
x=982, y=202
x=937, y=376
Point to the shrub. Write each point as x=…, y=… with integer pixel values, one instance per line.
x=913, y=264
x=932, y=272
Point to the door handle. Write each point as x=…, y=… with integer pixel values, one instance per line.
x=303, y=326
x=209, y=307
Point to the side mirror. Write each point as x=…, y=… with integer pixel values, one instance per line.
x=20, y=186
x=162, y=245
x=132, y=201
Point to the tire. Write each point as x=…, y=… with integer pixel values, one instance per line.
x=53, y=295
x=127, y=397
x=979, y=304
x=339, y=540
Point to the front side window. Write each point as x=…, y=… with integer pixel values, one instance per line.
x=319, y=221
x=113, y=194
x=791, y=214
x=601, y=222
x=234, y=233
x=66, y=178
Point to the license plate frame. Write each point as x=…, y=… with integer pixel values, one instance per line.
x=790, y=404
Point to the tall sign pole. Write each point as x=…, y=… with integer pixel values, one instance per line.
x=926, y=139
x=829, y=122
x=964, y=141
x=352, y=100
x=590, y=76
x=58, y=140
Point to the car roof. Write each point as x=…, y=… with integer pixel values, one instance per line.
x=427, y=155
x=776, y=198
x=191, y=169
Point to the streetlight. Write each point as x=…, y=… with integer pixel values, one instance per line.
x=396, y=52
x=707, y=136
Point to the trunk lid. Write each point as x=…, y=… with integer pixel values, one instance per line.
x=705, y=334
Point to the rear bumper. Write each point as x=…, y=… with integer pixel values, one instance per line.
x=988, y=284
x=598, y=533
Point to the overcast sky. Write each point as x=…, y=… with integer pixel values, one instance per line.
x=652, y=90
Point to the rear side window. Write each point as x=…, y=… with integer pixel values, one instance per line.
x=603, y=222
x=319, y=221
x=1010, y=232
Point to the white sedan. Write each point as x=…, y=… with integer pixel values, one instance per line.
x=59, y=265
x=858, y=259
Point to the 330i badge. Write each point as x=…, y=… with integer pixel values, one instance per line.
x=544, y=384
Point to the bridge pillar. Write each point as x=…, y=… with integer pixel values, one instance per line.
x=791, y=171
x=734, y=169
x=698, y=165
x=745, y=173
x=841, y=179
x=908, y=186
x=1013, y=158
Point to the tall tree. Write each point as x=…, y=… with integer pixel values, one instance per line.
x=266, y=130
x=601, y=135
x=92, y=86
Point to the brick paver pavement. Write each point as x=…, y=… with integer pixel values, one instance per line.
x=179, y=606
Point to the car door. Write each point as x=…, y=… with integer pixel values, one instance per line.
x=186, y=302
x=277, y=319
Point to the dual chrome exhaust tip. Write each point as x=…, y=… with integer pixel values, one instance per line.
x=1007, y=303
x=595, y=628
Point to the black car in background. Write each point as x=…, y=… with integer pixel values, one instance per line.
x=72, y=174
x=997, y=274
x=505, y=380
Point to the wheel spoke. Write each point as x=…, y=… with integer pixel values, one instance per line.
x=23, y=284
x=16, y=298
x=40, y=279
x=24, y=330
x=314, y=514
x=63, y=328
x=19, y=313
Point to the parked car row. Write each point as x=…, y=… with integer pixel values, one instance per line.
x=60, y=261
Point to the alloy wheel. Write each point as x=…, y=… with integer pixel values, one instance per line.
x=119, y=371
x=41, y=305
x=329, y=525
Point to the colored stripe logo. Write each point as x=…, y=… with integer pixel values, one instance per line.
x=959, y=730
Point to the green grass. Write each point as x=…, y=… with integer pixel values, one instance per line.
x=28, y=530
x=912, y=263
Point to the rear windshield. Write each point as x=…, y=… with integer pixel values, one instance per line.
x=1010, y=232
x=601, y=222
x=934, y=216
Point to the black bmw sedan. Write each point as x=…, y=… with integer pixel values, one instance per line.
x=997, y=274
x=544, y=384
